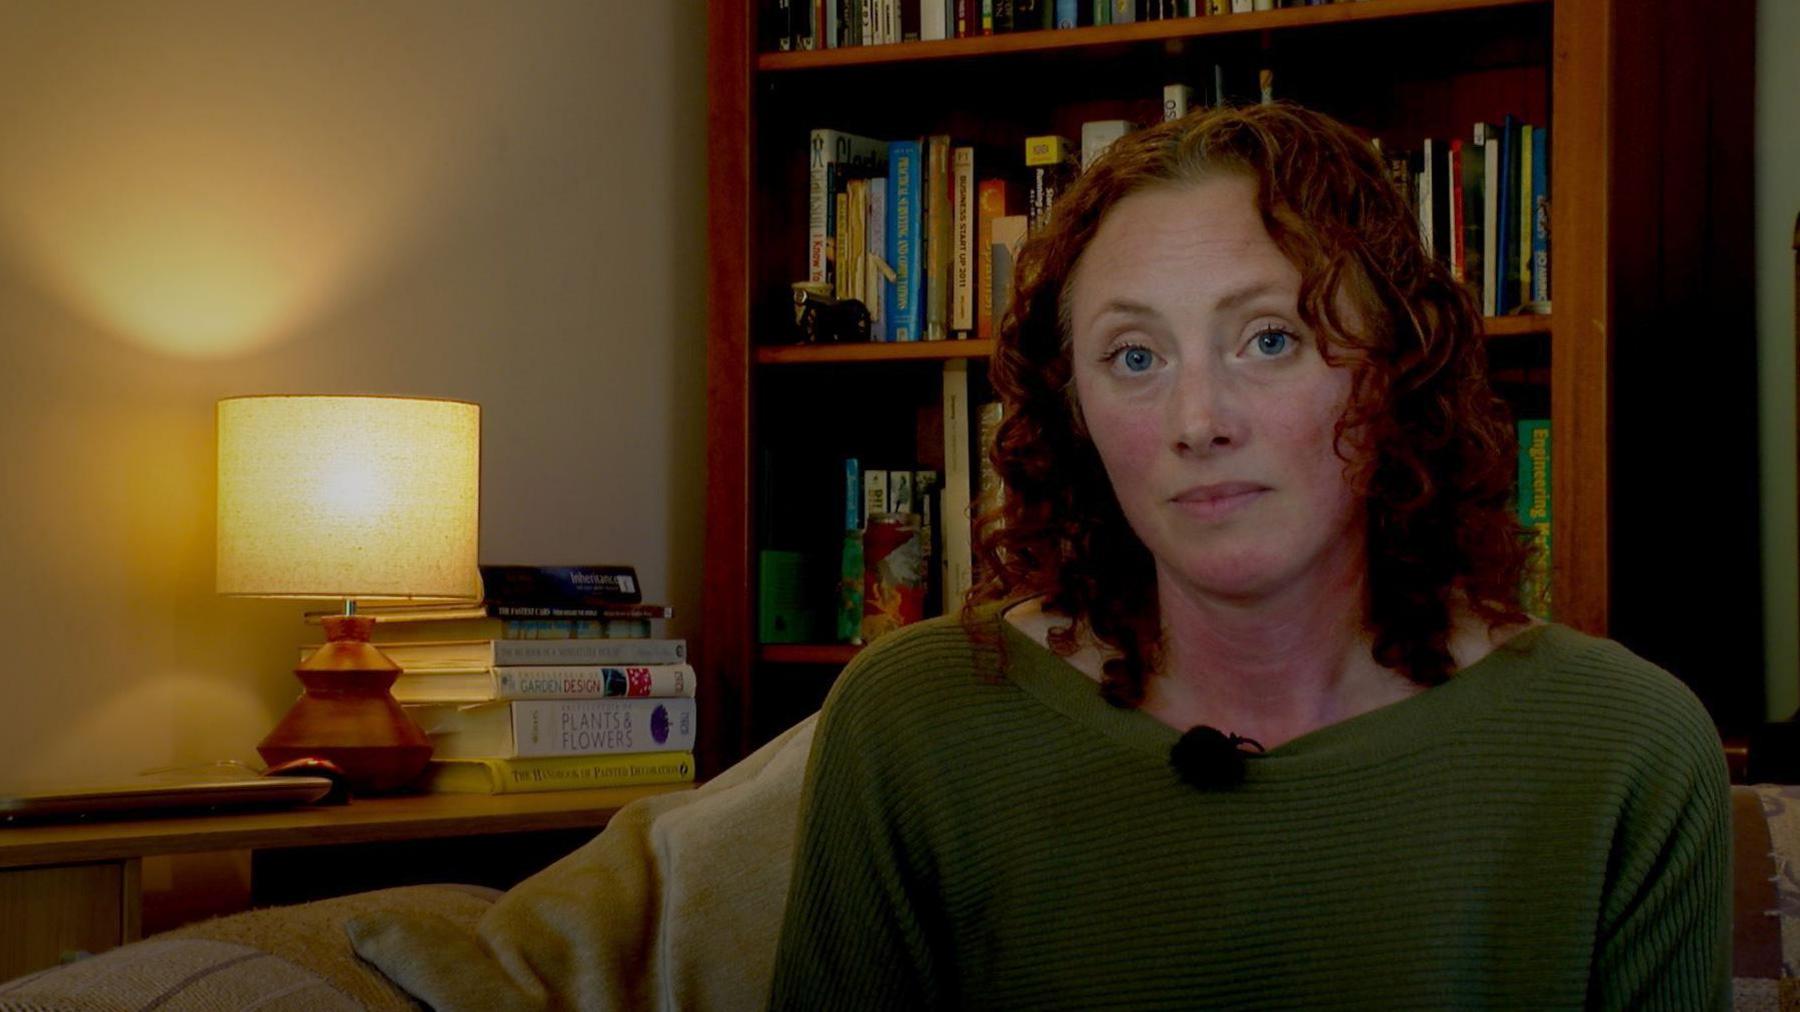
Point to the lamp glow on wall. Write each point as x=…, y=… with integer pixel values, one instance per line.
x=352, y=498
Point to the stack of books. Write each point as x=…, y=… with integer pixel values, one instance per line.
x=551, y=682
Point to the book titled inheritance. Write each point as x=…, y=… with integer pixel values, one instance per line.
x=557, y=727
x=544, y=681
x=592, y=584
x=502, y=609
x=561, y=773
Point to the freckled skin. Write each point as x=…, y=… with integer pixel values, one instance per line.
x=1181, y=387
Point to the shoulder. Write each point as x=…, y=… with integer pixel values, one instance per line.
x=1603, y=699
x=926, y=668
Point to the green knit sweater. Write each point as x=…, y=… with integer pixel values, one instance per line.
x=1548, y=829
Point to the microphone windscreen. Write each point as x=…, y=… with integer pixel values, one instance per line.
x=1208, y=758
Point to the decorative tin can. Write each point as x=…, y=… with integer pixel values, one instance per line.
x=894, y=582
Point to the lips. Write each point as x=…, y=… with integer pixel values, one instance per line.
x=1218, y=492
x=1217, y=501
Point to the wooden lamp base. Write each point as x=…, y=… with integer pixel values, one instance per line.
x=347, y=716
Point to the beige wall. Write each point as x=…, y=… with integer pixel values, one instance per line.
x=490, y=201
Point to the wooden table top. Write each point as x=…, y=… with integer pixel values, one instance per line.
x=365, y=820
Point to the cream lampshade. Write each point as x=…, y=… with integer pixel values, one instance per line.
x=374, y=498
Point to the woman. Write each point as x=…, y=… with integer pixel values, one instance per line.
x=1250, y=713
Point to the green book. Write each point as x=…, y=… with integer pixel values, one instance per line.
x=1534, y=509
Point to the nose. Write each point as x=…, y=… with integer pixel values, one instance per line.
x=1203, y=414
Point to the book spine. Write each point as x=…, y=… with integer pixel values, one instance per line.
x=939, y=192
x=931, y=21
x=818, y=206
x=594, y=681
x=509, y=653
x=1066, y=16
x=903, y=240
x=1490, y=222
x=1428, y=199
x=1008, y=236
x=853, y=494
x=1540, y=217
x=1176, y=100
x=551, y=727
x=529, y=776
x=1455, y=177
x=501, y=609
x=875, y=266
x=1506, y=289
x=1474, y=172
x=958, y=571
x=1534, y=509
x=1522, y=280
x=1124, y=12
x=990, y=204
x=962, y=294
x=594, y=584
x=875, y=491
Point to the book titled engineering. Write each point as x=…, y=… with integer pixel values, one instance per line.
x=553, y=727
x=563, y=681
x=561, y=773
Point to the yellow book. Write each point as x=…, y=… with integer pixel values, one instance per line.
x=522, y=776
x=1048, y=150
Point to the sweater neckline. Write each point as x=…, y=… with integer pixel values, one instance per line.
x=1403, y=725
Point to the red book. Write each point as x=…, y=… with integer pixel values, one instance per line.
x=1457, y=261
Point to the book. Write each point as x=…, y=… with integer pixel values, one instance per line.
x=876, y=270
x=1177, y=99
x=1489, y=140
x=551, y=727
x=993, y=201
x=1506, y=266
x=904, y=314
x=438, y=630
x=1540, y=219
x=1052, y=162
x=1534, y=501
x=1522, y=279
x=939, y=210
x=1454, y=159
x=1008, y=236
x=561, y=773
x=963, y=213
x=594, y=583
x=1097, y=136
x=538, y=681
x=958, y=561
x=1474, y=179
x=497, y=609
x=478, y=654
x=833, y=156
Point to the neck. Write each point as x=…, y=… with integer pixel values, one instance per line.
x=1271, y=667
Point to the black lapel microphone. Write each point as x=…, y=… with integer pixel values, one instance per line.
x=1210, y=759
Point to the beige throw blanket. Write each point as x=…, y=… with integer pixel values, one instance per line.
x=676, y=905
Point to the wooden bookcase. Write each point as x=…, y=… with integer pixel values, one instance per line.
x=1401, y=70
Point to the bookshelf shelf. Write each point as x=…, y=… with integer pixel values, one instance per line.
x=873, y=351
x=1172, y=30
x=1517, y=326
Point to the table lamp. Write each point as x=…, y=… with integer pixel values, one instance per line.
x=352, y=498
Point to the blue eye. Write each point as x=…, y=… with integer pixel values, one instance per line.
x=1137, y=359
x=1273, y=342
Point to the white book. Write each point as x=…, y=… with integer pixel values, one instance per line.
x=1097, y=136
x=962, y=226
x=562, y=681
x=547, y=727
x=932, y=23
x=875, y=272
x=959, y=558
x=875, y=492
x=900, y=492
x=1490, y=218
x=1177, y=99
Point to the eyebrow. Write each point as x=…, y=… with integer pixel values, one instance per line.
x=1229, y=301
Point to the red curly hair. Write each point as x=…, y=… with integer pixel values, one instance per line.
x=1436, y=466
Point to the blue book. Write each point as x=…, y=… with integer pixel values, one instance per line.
x=1065, y=13
x=1540, y=214
x=1506, y=294
x=853, y=494
x=903, y=304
